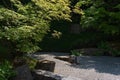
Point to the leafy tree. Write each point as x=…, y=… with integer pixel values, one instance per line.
x=23, y=23
x=101, y=15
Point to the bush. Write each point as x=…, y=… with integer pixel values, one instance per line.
x=109, y=50
x=25, y=23
x=102, y=15
x=6, y=70
x=76, y=53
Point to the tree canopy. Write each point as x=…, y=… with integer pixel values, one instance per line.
x=25, y=22
x=102, y=15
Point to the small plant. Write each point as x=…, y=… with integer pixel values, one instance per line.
x=76, y=53
x=22, y=60
x=115, y=52
x=107, y=48
x=30, y=61
x=6, y=71
x=104, y=45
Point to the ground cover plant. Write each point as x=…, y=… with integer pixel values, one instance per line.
x=6, y=70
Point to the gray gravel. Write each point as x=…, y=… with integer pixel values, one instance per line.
x=90, y=67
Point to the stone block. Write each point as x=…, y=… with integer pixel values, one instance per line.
x=45, y=65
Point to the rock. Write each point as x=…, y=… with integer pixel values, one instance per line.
x=23, y=73
x=63, y=58
x=45, y=75
x=45, y=65
x=72, y=59
x=77, y=60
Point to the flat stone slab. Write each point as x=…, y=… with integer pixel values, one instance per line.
x=90, y=67
x=46, y=75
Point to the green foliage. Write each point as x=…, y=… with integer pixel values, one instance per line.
x=3, y=49
x=108, y=49
x=101, y=15
x=4, y=52
x=6, y=70
x=25, y=23
x=115, y=52
x=93, y=15
x=56, y=34
x=22, y=30
x=30, y=61
x=70, y=41
x=104, y=45
x=76, y=53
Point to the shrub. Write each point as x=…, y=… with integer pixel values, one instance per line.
x=6, y=70
x=25, y=23
x=101, y=15
x=108, y=49
x=76, y=53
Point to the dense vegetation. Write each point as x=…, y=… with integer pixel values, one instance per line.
x=30, y=25
x=25, y=23
x=102, y=15
x=100, y=23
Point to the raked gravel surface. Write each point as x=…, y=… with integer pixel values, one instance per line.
x=90, y=67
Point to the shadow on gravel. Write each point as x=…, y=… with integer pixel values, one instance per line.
x=102, y=64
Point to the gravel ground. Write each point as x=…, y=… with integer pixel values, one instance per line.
x=90, y=67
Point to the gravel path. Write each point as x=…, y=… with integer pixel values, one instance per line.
x=90, y=67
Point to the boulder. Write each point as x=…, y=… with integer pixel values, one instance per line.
x=63, y=58
x=23, y=73
x=45, y=65
x=71, y=59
